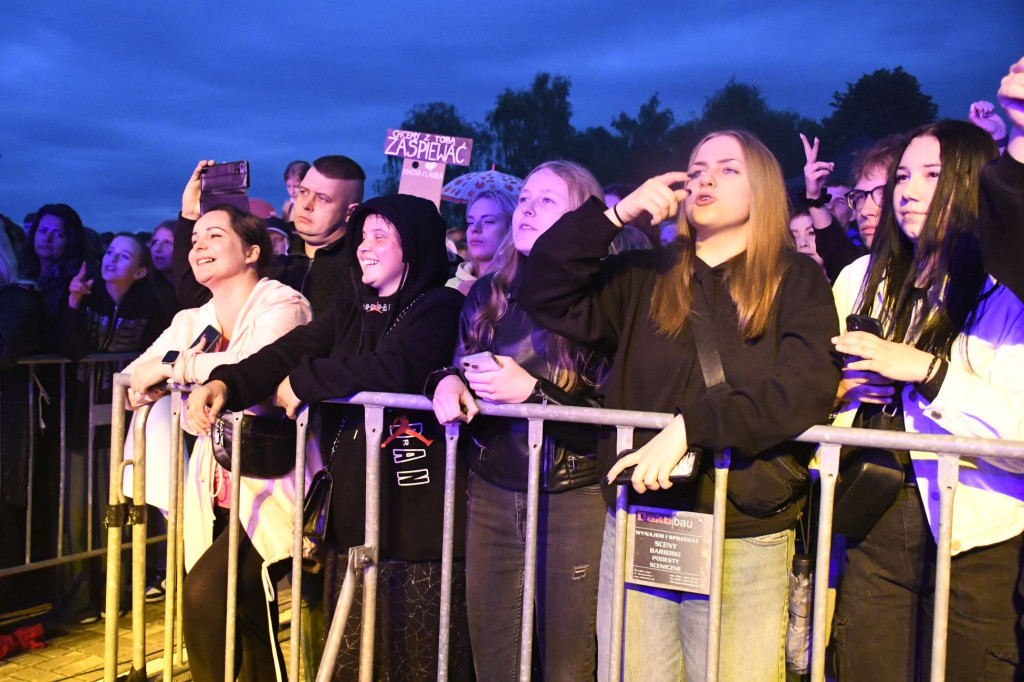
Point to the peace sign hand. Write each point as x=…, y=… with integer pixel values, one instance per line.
x=815, y=172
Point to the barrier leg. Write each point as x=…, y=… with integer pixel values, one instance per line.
x=137, y=519
x=829, y=472
x=358, y=557
x=232, y=577
x=113, y=522
x=624, y=441
x=536, y=439
x=294, y=655
x=949, y=470
x=447, y=541
x=371, y=537
x=174, y=474
x=179, y=570
x=717, y=564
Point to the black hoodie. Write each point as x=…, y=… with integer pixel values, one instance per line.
x=340, y=353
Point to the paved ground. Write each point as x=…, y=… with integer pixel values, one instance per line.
x=76, y=653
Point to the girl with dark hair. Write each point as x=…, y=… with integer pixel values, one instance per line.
x=950, y=361
x=53, y=253
x=536, y=366
x=767, y=313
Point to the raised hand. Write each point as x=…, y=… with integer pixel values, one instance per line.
x=983, y=114
x=815, y=172
x=193, y=190
x=79, y=287
x=1011, y=96
x=655, y=196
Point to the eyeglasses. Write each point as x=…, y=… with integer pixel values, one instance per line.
x=855, y=198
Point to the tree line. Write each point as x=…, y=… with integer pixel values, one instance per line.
x=532, y=125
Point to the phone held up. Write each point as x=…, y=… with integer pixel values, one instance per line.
x=224, y=183
x=863, y=323
x=480, y=362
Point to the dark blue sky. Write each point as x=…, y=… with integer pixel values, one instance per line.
x=108, y=106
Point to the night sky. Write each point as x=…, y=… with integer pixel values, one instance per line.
x=107, y=107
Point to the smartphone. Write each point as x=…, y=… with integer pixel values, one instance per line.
x=863, y=323
x=210, y=335
x=480, y=362
x=684, y=471
x=224, y=183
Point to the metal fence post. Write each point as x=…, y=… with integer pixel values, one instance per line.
x=829, y=474
x=114, y=519
x=451, y=434
x=233, y=537
x=371, y=538
x=295, y=654
x=137, y=519
x=949, y=475
x=624, y=441
x=174, y=473
x=536, y=440
x=722, y=461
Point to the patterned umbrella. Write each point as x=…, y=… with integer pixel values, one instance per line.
x=465, y=187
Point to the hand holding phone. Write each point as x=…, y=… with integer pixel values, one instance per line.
x=480, y=362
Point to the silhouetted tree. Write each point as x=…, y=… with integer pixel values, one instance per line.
x=878, y=104
x=532, y=126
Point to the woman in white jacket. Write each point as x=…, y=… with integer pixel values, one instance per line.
x=229, y=250
x=950, y=361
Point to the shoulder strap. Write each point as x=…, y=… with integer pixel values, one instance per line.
x=704, y=338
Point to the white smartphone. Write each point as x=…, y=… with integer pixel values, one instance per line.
x=480, y=362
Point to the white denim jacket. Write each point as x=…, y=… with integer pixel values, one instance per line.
x=982, y=398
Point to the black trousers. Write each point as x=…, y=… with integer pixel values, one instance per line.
x=204, y=614
x=883, y=624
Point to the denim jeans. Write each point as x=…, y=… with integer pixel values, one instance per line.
x=883, y=626
x=568, y=554
x=665, y=635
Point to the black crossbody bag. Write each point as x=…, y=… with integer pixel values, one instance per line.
x=758, y=486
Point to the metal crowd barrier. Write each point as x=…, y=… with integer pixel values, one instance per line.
x=98, y=415
x=364, y=559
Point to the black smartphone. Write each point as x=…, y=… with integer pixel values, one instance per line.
x=684, y=471
x=210, y=335
x=863, y=323
x=224, y=183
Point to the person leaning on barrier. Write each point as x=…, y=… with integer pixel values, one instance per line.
x=230, y=250
x=771, y=316
x=537, y=366
x=402, y=326
x=328, y=193
x=951, y=362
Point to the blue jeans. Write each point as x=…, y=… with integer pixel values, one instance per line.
x=665, y=634
x=568, y=554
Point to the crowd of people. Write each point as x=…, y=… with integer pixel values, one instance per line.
x=706, y=292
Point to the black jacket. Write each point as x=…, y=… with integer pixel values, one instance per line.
x=101, y=325
x=1001, y=221
x=780, y=384
x=497, y=448
x=322, y=280
x=352, y=348
x=835, y=248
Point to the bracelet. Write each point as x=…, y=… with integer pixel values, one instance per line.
x=931, y=369
x=822, y=200
x=615, y=210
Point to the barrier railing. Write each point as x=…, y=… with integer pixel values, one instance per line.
x=98, y=414
x=363, y=559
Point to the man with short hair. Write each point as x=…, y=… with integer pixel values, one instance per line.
x=870, y=169
x=328, y=194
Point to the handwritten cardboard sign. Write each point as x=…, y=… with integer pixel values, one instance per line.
x=428, y=147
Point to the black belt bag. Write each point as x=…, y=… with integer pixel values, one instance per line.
x=869, y=478
x=268, y=445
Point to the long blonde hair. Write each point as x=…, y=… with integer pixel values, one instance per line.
x=753, y=277
x=569, y=363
